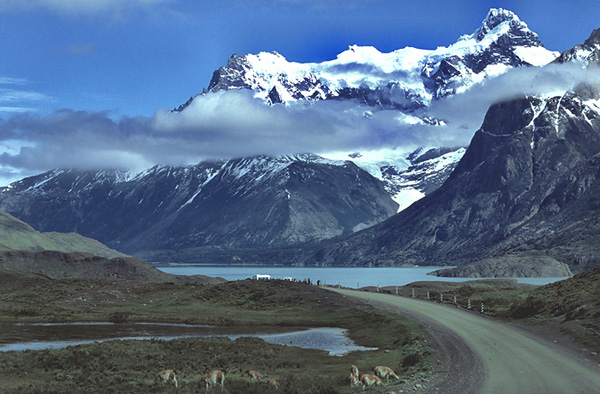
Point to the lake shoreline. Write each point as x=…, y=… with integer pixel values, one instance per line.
x=351, y=277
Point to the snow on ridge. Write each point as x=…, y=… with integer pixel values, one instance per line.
x=448, y=158
x=583, y=53
x=406, y=197
x=211, y=173
x=495, y=18
x=312, y=158
x=123, y=176
x=536, y=56
x=148, y=171
x=272, y=63
x=357, y=66
x=404, y=177
x=486, y=35
x=593, y=104
x=50, y=176
x=372, y=161
x=263, y=166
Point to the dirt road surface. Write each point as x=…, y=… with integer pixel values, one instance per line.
x=477, y=354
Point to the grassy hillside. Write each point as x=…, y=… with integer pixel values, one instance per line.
x=84, y=265
x=71, y=255
x=571, y=306
x=17, y=235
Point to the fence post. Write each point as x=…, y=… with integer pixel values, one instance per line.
x=482, y=307
x=442, y=297
x=378, y=288
x=427, y=294
x=396, y=290
x=469, y=304
x=454, y=299
x=413, y=292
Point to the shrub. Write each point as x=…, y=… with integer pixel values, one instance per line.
x=411, y=360
x=530, y=307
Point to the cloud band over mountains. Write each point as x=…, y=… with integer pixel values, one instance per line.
x=235, y=124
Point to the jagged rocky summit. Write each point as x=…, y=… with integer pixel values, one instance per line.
x=405, y=79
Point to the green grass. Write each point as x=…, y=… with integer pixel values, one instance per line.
x=570, y=306
x=130, y=366
x=497, y=295
x=17, y=235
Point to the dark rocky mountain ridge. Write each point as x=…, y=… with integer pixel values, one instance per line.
x=243, y=203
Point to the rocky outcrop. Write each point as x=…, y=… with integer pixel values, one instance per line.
x=509, y=266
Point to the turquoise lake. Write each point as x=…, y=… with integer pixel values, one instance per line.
x=349, y=277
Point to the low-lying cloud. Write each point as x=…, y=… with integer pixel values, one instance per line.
x=235, y=124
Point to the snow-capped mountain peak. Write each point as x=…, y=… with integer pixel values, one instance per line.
x=497, y=20
x=502, y=42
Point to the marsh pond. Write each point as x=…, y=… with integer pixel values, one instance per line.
x=40, y=336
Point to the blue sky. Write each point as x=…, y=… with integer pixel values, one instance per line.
x=132, y=57
x=84, y=83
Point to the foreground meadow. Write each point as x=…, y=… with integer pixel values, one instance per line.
x=131, y=365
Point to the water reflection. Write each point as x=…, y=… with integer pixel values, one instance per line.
x=39, y=336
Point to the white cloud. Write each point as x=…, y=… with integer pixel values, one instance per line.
x=18, y=100
x=464, y=112
x=235, y=124
x=15, y=109
x=79, y=7
x=12, y=81
x=12, y=95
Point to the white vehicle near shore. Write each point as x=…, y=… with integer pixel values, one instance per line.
x=262, y=277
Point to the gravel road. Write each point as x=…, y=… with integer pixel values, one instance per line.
x=477, y=354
